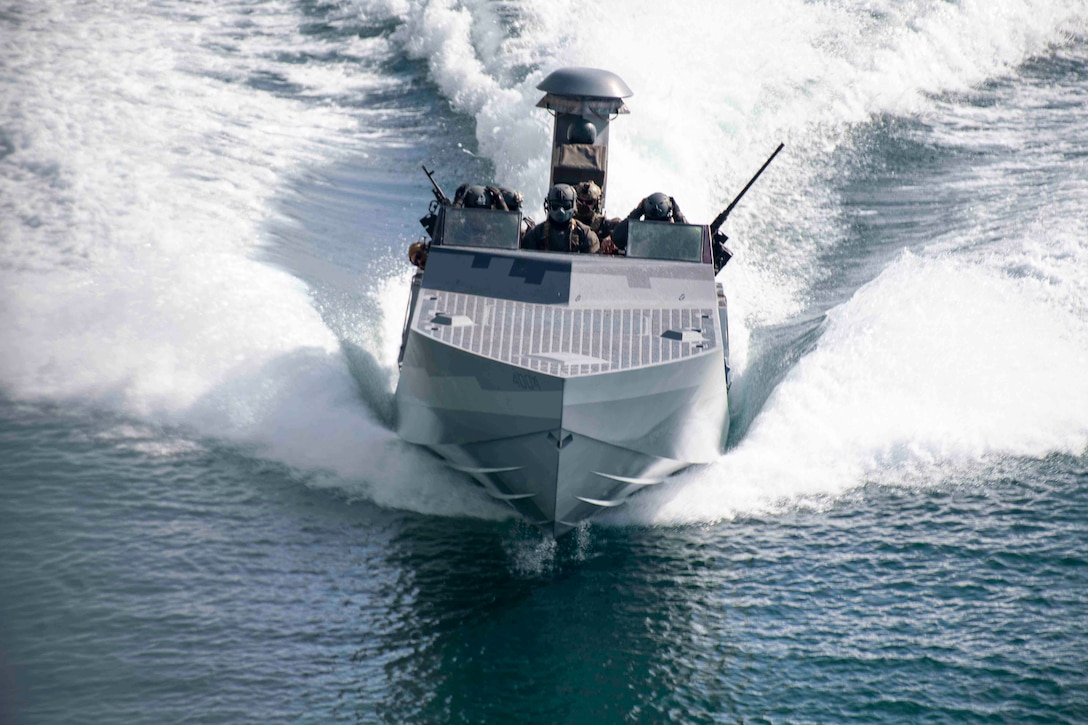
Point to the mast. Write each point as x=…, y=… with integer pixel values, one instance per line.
x=584, y=101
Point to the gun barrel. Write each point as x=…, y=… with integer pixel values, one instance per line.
x=438, y=193
x=720, y=219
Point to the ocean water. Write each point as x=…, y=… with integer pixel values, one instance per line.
x=205, y=516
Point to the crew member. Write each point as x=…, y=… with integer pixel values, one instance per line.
x=587, y=210
x=477, y=196
x=417, y=253
x=657, y=207
x=513, y=199
x=561, y=232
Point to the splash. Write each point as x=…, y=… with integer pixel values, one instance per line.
x=936, y=365
x=143, y=153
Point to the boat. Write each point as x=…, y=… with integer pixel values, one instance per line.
x=565, y=383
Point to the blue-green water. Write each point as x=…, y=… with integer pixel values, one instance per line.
x=209, y=586
x=204, y=515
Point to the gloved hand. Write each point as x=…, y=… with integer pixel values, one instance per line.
x=677, y=215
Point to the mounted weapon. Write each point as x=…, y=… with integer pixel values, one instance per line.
x=720, y=219
x=440, y=199
x=722, y=253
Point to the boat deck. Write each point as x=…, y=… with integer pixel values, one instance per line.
x=564, y=341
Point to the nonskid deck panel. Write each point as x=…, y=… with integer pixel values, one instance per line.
x=565, y=341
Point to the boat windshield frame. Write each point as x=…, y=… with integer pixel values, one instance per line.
x=487, y=228
x=667, y=241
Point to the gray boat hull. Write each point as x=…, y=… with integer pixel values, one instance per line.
x=583, y=380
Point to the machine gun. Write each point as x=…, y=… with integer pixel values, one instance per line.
x=440, y=199
x=720, y=219
x=722, y=253
x=439, y=195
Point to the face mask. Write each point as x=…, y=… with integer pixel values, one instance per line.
x=560, y=211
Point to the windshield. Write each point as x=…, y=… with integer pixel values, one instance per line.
x=493, y=228
x=662, y=240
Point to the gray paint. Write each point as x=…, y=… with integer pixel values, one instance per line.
x=585, y=82
x=564, y=408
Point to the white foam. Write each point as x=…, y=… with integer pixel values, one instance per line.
x=393, y=293
x=936, y=362
x=142, y=175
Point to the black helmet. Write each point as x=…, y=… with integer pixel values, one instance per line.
x=476, y=198
x=512, y=197
x=657, y=207
x=560, y=203
x=582, y=131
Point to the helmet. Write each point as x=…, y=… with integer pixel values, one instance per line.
x=512, y=197
x=582, y=131
x=589, y=193
x=560, y=203
x=657, y=207
x=589, y=197
x=476, y=198
x=417, y=254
